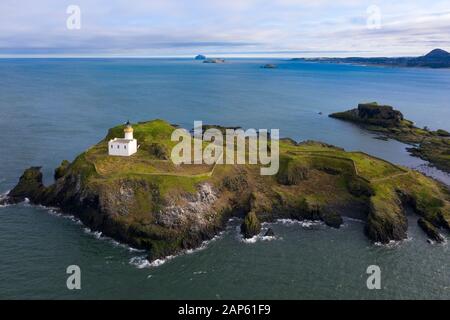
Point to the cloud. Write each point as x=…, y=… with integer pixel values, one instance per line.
x=177, y=27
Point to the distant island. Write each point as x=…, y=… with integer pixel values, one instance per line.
x=437, y=58
x=269, y=66
x=200, y=57
x=148, y=202
x=433, y=146
x=214, y=60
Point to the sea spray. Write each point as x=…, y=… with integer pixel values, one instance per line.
x=142, y=262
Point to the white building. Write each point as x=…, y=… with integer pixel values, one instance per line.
x=125, y=146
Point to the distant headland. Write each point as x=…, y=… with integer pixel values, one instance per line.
x=436, y=58
x=433, y=146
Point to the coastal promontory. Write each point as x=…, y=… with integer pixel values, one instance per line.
x=436, y=59
x=148, y=202
x=432, y=146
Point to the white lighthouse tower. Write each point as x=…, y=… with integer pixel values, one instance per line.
x=125, y=146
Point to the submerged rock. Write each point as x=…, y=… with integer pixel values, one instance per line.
x=269, y=66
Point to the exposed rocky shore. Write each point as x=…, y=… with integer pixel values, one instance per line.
x=432, y=146
x=166, y=209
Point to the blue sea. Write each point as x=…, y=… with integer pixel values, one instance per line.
x=53, y=109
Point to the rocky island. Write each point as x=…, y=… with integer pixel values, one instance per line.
x=148, y=202
x=436, y=59
x=269, y=66
x=214, y=60
x=432, y=146
x=200, y=57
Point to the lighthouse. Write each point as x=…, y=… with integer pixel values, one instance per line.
x=125, y=146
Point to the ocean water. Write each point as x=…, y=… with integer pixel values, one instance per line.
x=53, y=109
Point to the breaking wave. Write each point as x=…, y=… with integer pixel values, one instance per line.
x=307, y=224
x=141, y=262
x=259, y=237
x=3, y=196
x=393, y=243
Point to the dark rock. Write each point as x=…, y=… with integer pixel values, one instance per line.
x=332, y=219
x=30, y=186
x=200, y=57
x=380, y=229
x=61, y=170
x=269, y=233
x=269, y=66
x=379, y=114
x=251, y=225
x=431, y=231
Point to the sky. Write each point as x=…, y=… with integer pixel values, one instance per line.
x=226, y=28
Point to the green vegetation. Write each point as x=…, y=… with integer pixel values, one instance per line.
x=148, y=202
x=61, y=170
x=251, y=225
x=433, y=146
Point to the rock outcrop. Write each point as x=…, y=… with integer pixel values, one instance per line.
x=431, y=231
x=179, y=207
x=373, y=114
x=251, y=225
x=432, y=146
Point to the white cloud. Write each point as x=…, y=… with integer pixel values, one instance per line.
x=172, y=27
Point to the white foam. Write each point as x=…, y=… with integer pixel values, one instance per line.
x=96, y=234
x=268, y=238
x=3, y=196
x=26, y=203
x=142, y=262
x=393, y=243
x=249, y=240
x=303, y=223
x=123, y=245
x=159, y=262
x=259, y=237
x=99, y=235
x=57, y=213
x=199, y=272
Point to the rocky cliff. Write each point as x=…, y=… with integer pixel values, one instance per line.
x=150, y=204
x=432, y=146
